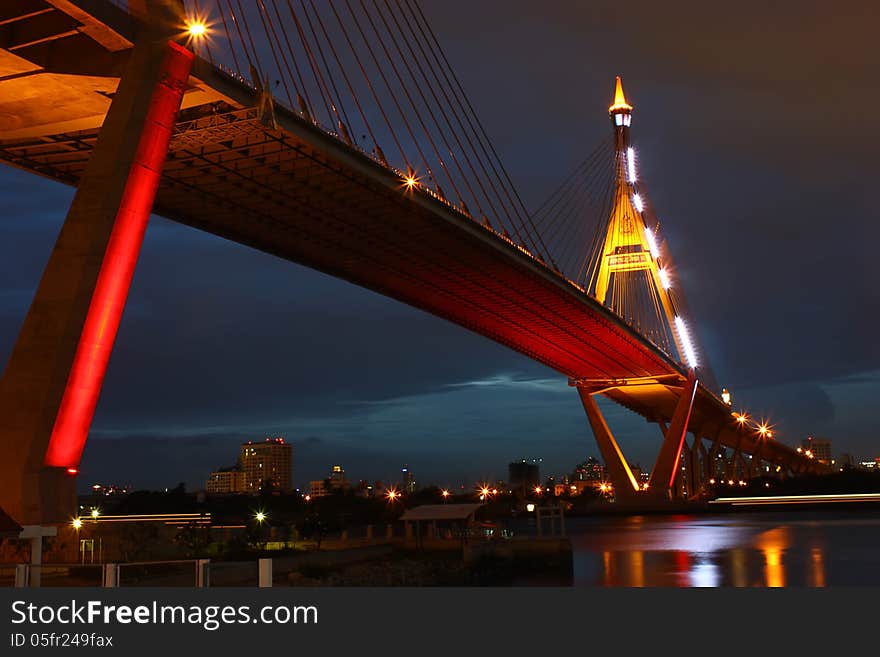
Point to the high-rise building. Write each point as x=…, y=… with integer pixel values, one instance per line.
x=266, y=466
x=408, y=480
x=523, y=476
x=820, y=448
x=337, y=479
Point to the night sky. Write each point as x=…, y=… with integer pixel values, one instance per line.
x=756, y=138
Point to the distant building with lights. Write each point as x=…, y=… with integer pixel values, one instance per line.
x=590, y=470
x=335, y=482
x=266, y=466
x=106, y=490
x=226, y=481
x=820, y=448
x=523, y=476
x=407, y=481
x=319, y=488
x=337, y=479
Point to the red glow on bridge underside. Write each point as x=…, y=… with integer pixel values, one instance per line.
x=114, y=279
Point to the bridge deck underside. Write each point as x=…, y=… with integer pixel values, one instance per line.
x=229, y=175
x=708, y=420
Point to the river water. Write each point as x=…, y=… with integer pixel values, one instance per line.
x=800, y=548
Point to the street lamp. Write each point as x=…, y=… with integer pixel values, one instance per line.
x=77, y=523
x=95, y=514
x=260, y=517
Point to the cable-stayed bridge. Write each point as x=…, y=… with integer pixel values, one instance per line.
x=336, y=135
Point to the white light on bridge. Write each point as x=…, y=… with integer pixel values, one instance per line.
x=637, y=201
x=664, y=278
x=690, y=353
x=631, y=164
x=652, y=242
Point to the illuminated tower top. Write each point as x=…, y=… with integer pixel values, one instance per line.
x=620, y=110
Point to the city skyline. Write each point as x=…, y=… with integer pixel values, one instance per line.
x=249, y=345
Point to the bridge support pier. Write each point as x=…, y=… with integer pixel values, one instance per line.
x=665, y=482
x=622, y=478
x=667, y=465
x=50, y=387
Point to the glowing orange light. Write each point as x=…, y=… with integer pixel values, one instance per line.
x=445, y=493
x=619, y=99
x=538, y=490
x=196, y=28
x=392, y=494
x=77, y=523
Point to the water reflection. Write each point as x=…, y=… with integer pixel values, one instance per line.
x=704, y=573
x=773, y=544
x=817, y=569
x=737, y=550
x=738, y=567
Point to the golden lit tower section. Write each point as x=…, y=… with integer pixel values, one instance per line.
x=630, y=276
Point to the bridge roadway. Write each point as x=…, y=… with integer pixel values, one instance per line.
x=301, y=193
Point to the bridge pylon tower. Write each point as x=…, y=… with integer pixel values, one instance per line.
x=630, y=275
x=631, y=246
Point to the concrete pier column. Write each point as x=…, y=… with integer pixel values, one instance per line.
x=666, y=468
x=622, y=478
x=50, y=387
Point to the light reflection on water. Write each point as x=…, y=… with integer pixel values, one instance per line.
x=770, y=550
